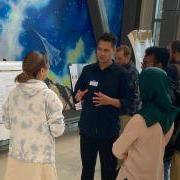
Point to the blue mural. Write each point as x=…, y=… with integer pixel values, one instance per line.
x=114, y=9
x=61, y=28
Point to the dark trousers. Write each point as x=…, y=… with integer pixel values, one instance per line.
x=90, y=147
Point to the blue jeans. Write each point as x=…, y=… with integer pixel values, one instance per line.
x=167, y=164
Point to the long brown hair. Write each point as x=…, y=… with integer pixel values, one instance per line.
x=32, y=64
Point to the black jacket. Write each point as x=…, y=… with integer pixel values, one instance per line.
x=103, y=121
x=173, y=146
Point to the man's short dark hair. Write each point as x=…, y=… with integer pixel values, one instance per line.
x=109, y=37
x=160, y=54
x=175, y=46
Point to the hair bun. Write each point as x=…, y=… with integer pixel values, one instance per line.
x=21, y=78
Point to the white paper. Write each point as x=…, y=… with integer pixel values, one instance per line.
x=75, y=71
x=8, y=72
x=4, y=133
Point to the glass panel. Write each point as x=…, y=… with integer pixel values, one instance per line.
x=156, y=32
x=159, y=8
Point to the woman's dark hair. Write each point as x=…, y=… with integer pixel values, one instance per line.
x=32, y=64
x=161, y=55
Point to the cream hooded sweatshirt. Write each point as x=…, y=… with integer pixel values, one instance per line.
x=33, y=113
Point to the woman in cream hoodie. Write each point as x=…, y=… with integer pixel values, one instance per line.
x=33, y=113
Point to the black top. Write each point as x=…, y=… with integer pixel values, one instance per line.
x=172, y=71
x=173, y=75
x=134, y=85
x=103, y=121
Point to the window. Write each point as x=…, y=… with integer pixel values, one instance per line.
x=157, y=21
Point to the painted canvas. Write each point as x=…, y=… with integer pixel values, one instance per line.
x=61, y=28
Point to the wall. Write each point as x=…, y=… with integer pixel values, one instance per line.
x=146, y=16
x=137, y=14
x=170, y=22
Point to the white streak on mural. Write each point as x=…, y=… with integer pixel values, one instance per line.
x=52, y=52
x=11, y=28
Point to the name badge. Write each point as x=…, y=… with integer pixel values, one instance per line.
x=93, y=83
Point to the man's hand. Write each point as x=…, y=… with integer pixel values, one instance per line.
x=80, y=95
x=102, y=99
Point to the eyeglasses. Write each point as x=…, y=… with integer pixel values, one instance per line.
x=147, y=64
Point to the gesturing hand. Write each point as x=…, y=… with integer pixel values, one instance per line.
x=80, y=94
x=101, y=99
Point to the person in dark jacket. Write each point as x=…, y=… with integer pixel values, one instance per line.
x=123, y=58
x=173, y=148
x=103, y=89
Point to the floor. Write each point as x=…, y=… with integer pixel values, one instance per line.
x=68, y=161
